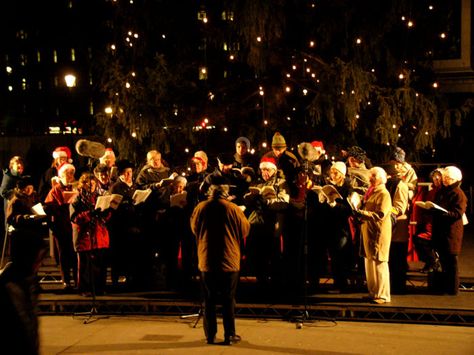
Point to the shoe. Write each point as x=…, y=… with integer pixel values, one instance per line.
x=210, y=340
x=379, y=301
x=233, y=339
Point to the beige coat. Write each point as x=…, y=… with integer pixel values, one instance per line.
x=376, y=228
x=400, y=208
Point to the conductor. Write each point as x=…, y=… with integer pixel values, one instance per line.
x=219, y=226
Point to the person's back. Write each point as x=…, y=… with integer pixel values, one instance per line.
x=219, y=227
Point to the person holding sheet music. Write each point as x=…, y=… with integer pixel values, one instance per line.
x=335, y=232
x=376, y=229
x=124, y=227
x=90, y=237
x=267, y=201
x=57, y=208
x=448, y=227
x=237, y=182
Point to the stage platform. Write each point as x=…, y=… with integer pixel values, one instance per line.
x=417, y=306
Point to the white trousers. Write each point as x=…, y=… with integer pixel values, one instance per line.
x=378, y=279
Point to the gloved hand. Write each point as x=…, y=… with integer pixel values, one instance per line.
x=322, y=198
x=96, y=213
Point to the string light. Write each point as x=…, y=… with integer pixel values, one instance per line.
x=358, y=41
x=443, y=35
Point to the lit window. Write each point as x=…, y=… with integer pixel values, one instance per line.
x=224, y=46
x=9, y=69
x=23, y=60
x=10, y=88
x=23, y=84
x=91, y=108
x=90, y=79
x=69, y=4
x=21, y=34
x=201, y=15
x=55, y=56
x=38, y=56
x=228, y=15
x=73, y=55
x=56, y=81
x=40, y=85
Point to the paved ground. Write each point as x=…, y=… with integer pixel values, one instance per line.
x=171, y=335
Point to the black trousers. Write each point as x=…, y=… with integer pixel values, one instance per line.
x=450, y=272
x=219, y=287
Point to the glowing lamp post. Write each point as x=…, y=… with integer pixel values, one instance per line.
x=70, y=80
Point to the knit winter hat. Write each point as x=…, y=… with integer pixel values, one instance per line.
x=278, y=141
x=24, y=181
x=340, y=166
x=62, y=152
x=452, y=172
x=64, y=167
x=268, y=163
x=244, y=140
x=122, y=165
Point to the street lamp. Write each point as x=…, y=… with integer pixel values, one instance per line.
x=70, y=80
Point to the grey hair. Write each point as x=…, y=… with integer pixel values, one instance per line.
x=379, y=174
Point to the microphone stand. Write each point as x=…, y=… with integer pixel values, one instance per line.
x=93, y=314
x=304, y=316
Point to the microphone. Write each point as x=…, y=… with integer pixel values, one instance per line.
x=307, y=151
x=90, y=149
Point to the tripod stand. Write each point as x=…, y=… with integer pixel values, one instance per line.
x=304, y=317
x=198, y=316
x=92, y=255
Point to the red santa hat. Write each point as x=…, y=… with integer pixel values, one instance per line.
x=66, y=166
x=318, y=145
x=62, y=152
x=268, y=163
